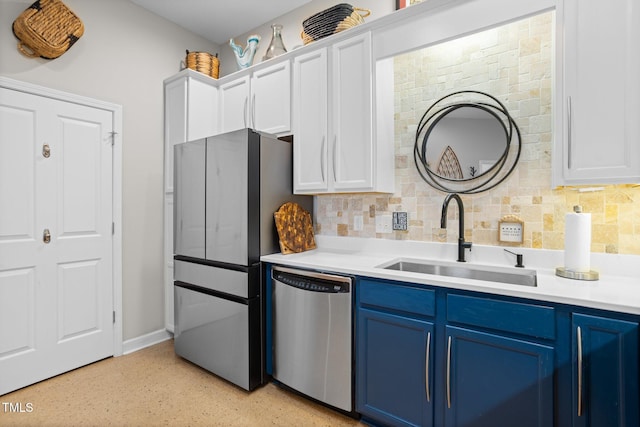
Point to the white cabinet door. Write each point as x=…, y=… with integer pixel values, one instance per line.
x=271, y=98
x=335, y=149
x=310, y=97
x=191, y=112
x=56, y=275
x=202, y=108
x=234, y=105
x=351, y=143
x=175, y=124
x=598, y=122
x=261, y=101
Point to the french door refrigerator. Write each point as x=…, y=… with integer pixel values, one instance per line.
x=226, y=190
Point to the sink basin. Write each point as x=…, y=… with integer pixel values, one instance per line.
x=511, y=276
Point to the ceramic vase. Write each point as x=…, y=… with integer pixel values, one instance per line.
x=244, y=57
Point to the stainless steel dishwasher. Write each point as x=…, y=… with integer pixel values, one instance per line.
x=312, y=334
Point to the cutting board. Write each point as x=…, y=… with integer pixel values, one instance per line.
x=295, y=228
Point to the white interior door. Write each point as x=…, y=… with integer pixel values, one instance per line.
x=56, y=284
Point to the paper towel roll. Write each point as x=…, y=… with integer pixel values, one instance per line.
x=577, y=242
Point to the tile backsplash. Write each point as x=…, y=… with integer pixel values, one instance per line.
x=514, y=64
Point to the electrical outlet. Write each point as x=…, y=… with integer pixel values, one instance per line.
x=357, y=223
x=383, y=224
x=400, y=221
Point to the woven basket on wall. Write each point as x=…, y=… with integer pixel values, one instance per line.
x=331, y=21
x=204, y=63
x=47, y=28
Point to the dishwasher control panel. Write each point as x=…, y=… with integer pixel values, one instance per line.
x=314, y=284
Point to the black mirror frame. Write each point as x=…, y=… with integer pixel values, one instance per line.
x=485, y=181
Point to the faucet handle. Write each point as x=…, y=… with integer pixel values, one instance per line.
x=519, y=258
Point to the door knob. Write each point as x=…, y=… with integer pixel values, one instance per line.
x=46, y=150
x=46, y=235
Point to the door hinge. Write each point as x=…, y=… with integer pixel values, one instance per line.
x=114, y=316
x=113, y=138
x=113, y=228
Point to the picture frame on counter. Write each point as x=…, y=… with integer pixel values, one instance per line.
x=511, y=229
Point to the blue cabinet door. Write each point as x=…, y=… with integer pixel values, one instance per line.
x=496, y=381
x=394, y=372
x=605, y=372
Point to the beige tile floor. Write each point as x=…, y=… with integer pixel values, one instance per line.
x=155, y=387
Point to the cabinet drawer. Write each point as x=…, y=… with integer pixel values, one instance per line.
x=527, y=319
x=398, y=297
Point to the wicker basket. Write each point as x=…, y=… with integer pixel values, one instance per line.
x=47, y=28
x=331, y=21
x=204, y=63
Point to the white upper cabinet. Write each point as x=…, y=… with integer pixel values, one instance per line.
x=190, y=113
x=310, y=130
x=234, y=104
x=597, y=124
x=335, y=148
x=351, y=114
x=271, y=98
x=261, y=100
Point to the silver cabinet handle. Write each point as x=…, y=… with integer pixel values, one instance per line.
x=579, y=339
x=244, y=115
x=449, y=372
x=426, y=366
x=46, y=236
x=335, y=137
x=569, y=136
x=253, y=112
x=322, y=156
x=46, y=151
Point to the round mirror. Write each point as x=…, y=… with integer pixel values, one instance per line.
x=467, y=146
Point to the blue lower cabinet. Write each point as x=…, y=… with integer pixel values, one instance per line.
x=605, y=372
x=437, y=357
x=394, y=369
x=492, y=380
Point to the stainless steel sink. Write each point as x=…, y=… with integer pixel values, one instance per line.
x=511, y=276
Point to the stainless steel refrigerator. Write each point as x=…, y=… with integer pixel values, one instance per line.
x=226, y=190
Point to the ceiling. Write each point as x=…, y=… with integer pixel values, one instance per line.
x=219, y=20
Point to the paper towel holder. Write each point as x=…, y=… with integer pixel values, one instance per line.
x=577, y=275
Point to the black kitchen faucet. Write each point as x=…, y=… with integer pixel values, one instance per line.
x=462, y=245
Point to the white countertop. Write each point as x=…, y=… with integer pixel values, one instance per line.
x=618, y=288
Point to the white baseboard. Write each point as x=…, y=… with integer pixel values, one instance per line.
x=138, y=343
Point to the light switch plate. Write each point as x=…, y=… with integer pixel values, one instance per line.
x=383, y=224
x=358, y=224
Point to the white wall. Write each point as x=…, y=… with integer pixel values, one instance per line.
x=123, y=57
x=292, y=27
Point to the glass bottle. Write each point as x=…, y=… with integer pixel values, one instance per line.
x=276, y=47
